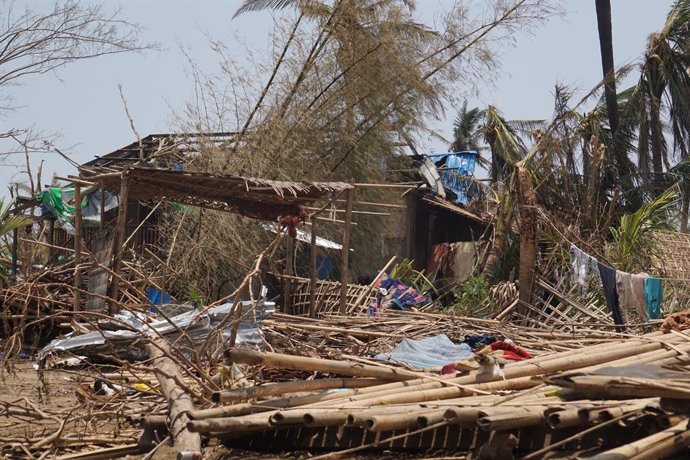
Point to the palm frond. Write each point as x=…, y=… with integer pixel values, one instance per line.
x=257, y=5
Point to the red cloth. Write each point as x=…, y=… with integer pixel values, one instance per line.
x=510, y=351
x=448, y=369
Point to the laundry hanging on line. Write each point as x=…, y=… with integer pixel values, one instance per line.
x=624, y=292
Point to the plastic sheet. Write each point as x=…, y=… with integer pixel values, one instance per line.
x=430, y=353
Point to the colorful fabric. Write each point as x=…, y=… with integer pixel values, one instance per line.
x=399, y=294
x=510, y=351
x=653, y=293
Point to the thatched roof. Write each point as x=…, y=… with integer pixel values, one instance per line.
x=251, y=197
x=671, y=254
x=164, y=148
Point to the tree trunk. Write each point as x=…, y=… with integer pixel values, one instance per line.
x=643, y=143
x=684, y=211
x=528, y=234
x=504, y=219
x=606, y=48
x=656, y=134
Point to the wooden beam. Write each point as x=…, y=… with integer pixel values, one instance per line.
x=345, y=253
x=404, y=185
x=120, y=229
x=75, y=181
x=312, y=270
x=77, y=244
x=365, y=213
x=289, y=262
x=51, y=239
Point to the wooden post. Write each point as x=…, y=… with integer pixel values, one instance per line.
x=15, y=246
x=51, y=239
x=102, y=210
x=119, y=241
x=289, y=262
x=77, y=244
x=345, y=256
x=312, y=270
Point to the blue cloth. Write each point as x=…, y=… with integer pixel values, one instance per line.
x=432, y=352
x=653, y=294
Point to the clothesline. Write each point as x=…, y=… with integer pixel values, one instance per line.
x=663, y=278
x=639, y=292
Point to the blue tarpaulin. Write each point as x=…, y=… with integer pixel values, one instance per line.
x=456, y=169
x=156, y=296
x=432, y=352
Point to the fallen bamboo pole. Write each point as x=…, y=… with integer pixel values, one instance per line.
x=282, y=388
x=659, y=445
x=187, y=443
x=491, y=419
x=280, y=361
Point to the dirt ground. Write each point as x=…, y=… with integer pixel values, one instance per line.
x=56, y=412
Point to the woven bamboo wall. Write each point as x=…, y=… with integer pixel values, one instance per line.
x=327, y=296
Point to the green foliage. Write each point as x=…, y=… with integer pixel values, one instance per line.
x=195, y=297
x=628, y=246
x=8, y=223
x=471, y=295
x=404, y=272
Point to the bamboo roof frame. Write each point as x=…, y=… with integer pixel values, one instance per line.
x=251, y=197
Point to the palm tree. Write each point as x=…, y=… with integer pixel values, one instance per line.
x=606, y=48
x=467, y=129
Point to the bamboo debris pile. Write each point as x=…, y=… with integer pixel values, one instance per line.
x=55, y=423
x=318, y=391
x=379, y=406
x=45, y=298
x=335, y=335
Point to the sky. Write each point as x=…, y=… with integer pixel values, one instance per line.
x=81, y=104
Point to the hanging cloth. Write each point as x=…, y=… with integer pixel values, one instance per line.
x=608, y=281
x=637, y=288
x=624, y=290
x=653, y=294
x=583, y=267
x=579, y=262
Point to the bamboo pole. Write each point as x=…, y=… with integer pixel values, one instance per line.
x=390, y=422
x=280, y=361
x=289, y=262
x=51, y=240
x=77, y=244
x=120, y=228
x=345, y=252
x=659, y=445
x=501, y=419
x=282, y=388
x=312, y=270
x=15, y=243
x=187, y=443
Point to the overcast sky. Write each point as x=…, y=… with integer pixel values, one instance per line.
x=83, y=106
